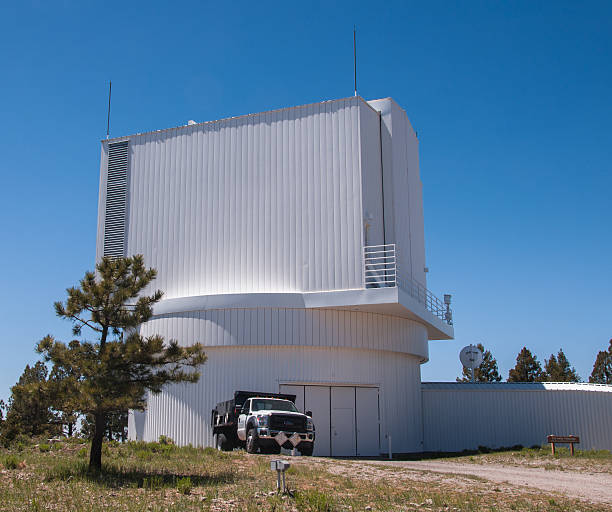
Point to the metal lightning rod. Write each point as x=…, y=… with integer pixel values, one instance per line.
x=355, y=56
x=110, y=85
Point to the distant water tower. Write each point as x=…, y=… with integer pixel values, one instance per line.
x=471, y=358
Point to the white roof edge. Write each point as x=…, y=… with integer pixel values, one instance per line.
x=231, y=118
x=392, y=301
x=523, y=386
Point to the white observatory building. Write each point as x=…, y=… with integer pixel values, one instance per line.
x=290, y=243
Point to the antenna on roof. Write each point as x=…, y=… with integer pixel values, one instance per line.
x=355, y=56
x=110, y=84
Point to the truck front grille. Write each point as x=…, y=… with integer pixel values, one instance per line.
x=287, y=423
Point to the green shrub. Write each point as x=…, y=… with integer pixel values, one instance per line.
x=11, y=462
x=153, y=482
x=165, y=440
x=184, y=485
x=44, y=447
x=82, y=452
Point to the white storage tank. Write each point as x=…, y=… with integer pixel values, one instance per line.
x=290, y=243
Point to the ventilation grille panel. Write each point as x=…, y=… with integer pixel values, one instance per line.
x=116, y=198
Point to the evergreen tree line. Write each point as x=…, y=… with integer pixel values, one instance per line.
x=557, y=368
x=31, y=412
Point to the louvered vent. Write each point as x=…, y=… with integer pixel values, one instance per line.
x=116, y=197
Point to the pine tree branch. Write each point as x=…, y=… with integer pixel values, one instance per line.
x=84, y=322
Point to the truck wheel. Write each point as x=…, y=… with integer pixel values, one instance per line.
x=307, y=450
x=223, y=443
x=251, y=441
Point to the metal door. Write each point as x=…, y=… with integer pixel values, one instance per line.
x=366, y=414
x=316, y=399
x=343, y=421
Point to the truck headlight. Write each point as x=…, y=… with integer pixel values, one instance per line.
x=263, y=420
x=309, y=424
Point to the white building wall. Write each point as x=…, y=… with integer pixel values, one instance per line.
x=371, y=176
x=267, y=202
x=303, y=327
x=183, y=411
x=403, y=203
x=458, y=416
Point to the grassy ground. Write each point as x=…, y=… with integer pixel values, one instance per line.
x=151, y=477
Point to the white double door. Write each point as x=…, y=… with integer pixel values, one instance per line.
x=346, y=418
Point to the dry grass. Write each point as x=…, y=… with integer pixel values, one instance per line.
x=592, y=461
x=156, y=477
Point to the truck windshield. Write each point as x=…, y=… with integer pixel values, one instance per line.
x=270, y=404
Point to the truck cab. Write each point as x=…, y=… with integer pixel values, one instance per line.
x=262, y=422
x=269, y=424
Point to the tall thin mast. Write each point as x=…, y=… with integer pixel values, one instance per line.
x=355, y=56
x=110, y=84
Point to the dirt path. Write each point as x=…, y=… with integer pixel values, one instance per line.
x=594, y=487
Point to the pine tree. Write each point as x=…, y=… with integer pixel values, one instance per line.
x=486, y=372
x=115, y=373
x=558, y=369
x=29, y=410
x=527, y=369
x=602, y=369
x=68, y=417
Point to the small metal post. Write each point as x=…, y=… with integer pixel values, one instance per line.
x=280, y=466
x=572, y=449
x=553, y=448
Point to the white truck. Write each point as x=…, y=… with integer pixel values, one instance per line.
x=262, y=422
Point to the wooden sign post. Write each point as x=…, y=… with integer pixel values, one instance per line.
x=571, y=440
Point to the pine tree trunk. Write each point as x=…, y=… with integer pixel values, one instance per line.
x=95, y=456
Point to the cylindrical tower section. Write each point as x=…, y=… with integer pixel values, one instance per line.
x=323, y=353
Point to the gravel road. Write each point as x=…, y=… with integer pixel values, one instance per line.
x=594, y=487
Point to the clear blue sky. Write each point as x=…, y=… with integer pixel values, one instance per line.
x=511, y=101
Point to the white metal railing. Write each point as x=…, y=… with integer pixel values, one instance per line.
x=428, y=299
x=379, y=266
x=380, y=271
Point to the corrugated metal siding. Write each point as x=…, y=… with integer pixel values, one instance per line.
x=403, y=201
x=183, y=411
x=306, y=327
x=371, y=175
x=460, y=416
x=263, y=203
